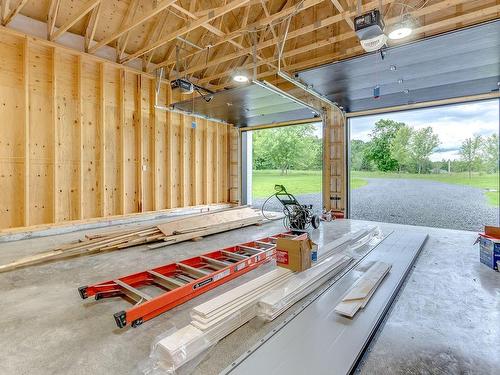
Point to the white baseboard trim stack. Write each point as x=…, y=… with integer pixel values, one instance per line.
x=268, y=296
x=360, y=293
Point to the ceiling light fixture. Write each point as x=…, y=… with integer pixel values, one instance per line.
x=240, y=77
x=401, y=29
x=400, y=33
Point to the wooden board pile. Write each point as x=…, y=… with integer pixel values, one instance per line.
x=362, y=290
x=274, y=303
x=187, y=228
x=268, y=295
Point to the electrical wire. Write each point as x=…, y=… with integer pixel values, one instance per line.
x=264, y=204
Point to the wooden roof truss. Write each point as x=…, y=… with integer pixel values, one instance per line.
x=218, y=36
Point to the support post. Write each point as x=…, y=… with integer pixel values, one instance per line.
x=26, y=202
x=246, y=167
x=80, y=135
x=122, y=139
x=102, y=144
x=139, y=140
x=169, y=167
x=154, y=167
x=55, y=123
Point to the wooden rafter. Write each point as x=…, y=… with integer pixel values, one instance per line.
x=244, y=24
x=353, y=51
x=274, y=41
x=255, y=25
x=123, y=40
x=345, y=15
x=77, y=17
x=92, y=26
x=266, y=12
x=201, y=21
x=51, y=16
x=329, y=41
x=8, y=14
x=156, y=32
x=228, y=44
x=442, y=5
x=215, y=30
x=4, y=9
x=145, y=17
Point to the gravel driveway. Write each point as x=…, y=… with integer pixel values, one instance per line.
x=414, y=202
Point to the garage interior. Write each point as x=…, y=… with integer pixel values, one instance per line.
x=128, y=244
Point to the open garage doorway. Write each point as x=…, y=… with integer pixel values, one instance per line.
x=291, y=156
x=436, y=167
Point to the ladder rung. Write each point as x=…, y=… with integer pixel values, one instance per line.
x=132, y=292
x=166, y=281
x=194, y=271
x=267, y=244
x=215, y=262
x=250, y=249
x=187, y=278
x=234, y=255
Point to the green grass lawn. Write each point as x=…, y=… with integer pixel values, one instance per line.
x=485, y=181
x=296, y=182
x=304, y=182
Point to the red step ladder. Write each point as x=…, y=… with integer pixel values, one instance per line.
x=181, y=281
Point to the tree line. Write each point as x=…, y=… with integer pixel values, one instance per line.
x=394, y=146
x=287, y=148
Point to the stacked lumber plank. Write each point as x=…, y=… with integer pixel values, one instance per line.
x=174, y=231
x=363, y=289
x=300, y=285
x=268, y=295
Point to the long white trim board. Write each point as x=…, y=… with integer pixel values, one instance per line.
x=320, y=341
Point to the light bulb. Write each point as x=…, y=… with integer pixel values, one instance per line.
x=240, y=78
x=400, y=32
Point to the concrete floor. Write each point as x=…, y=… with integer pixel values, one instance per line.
x=445, y=320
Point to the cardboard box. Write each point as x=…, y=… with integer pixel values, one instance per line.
x=489, y=247
x=294, y=254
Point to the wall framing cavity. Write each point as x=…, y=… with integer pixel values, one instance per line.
x=80, y=138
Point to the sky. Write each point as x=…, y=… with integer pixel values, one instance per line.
x=452, y=123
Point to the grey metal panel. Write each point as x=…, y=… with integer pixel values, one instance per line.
x=318, y=340
x=460, y=63
x=248, y=106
